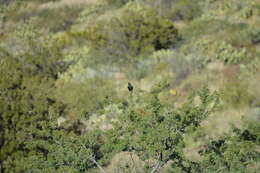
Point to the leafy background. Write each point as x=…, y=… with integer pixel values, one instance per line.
x=65, y=65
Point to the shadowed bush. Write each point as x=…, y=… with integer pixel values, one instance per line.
x=135, y=31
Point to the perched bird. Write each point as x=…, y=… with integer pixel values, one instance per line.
x=130, y=87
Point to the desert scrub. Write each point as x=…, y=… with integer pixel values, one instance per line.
x=85, y=97
x=254, y=35
x=221, y=50
x=58, y=19
x=77, y=71
x=90, y=13
x=61, y=39
x=251, y=68
x=85, y=65
x=135, y=30
x=234, y=11
x=118, y=3
x=180, y=63
x=177, y=9
x=185, y=10
x=234, y=153
x=235, y=94
x=157, y=132
x=104, y=119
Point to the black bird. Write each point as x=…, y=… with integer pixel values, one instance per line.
x=130, y=87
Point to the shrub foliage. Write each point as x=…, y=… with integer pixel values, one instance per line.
x=135, y=31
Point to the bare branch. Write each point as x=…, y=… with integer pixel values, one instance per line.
x=92, y=158
x=157, y=166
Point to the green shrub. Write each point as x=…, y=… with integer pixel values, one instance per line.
x=135, y=31
x=177, y=9
x=31, y=138
x=178, y=64
x=28, y=110
x=90, y=13
x=221, y=50
x=185, y=10
x=85, y=98
x=57, y=19
x=203, y=27
x=125, y=132
x=234, y=153
x=234, y=11
x=39, y=1
x=242, y=35
x=254, y=35
x=118, y=2
x=28, y=42
x=253, y=67
x=157, y=132
x=62, y=152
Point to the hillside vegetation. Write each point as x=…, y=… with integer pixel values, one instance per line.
x=64, y=70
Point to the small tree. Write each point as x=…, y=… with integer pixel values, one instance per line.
x=28, y=110
x=157, y=132
x=135, y=31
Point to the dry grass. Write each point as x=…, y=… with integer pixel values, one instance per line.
x=220, y=122
x=126, y=162
x=63, y=3
x=214, y=127
x=254, y=85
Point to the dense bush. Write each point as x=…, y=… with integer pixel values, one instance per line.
x=236, y=153
x=27, y=105
x=156, y=131
x=135, y=31
x=31, y=138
